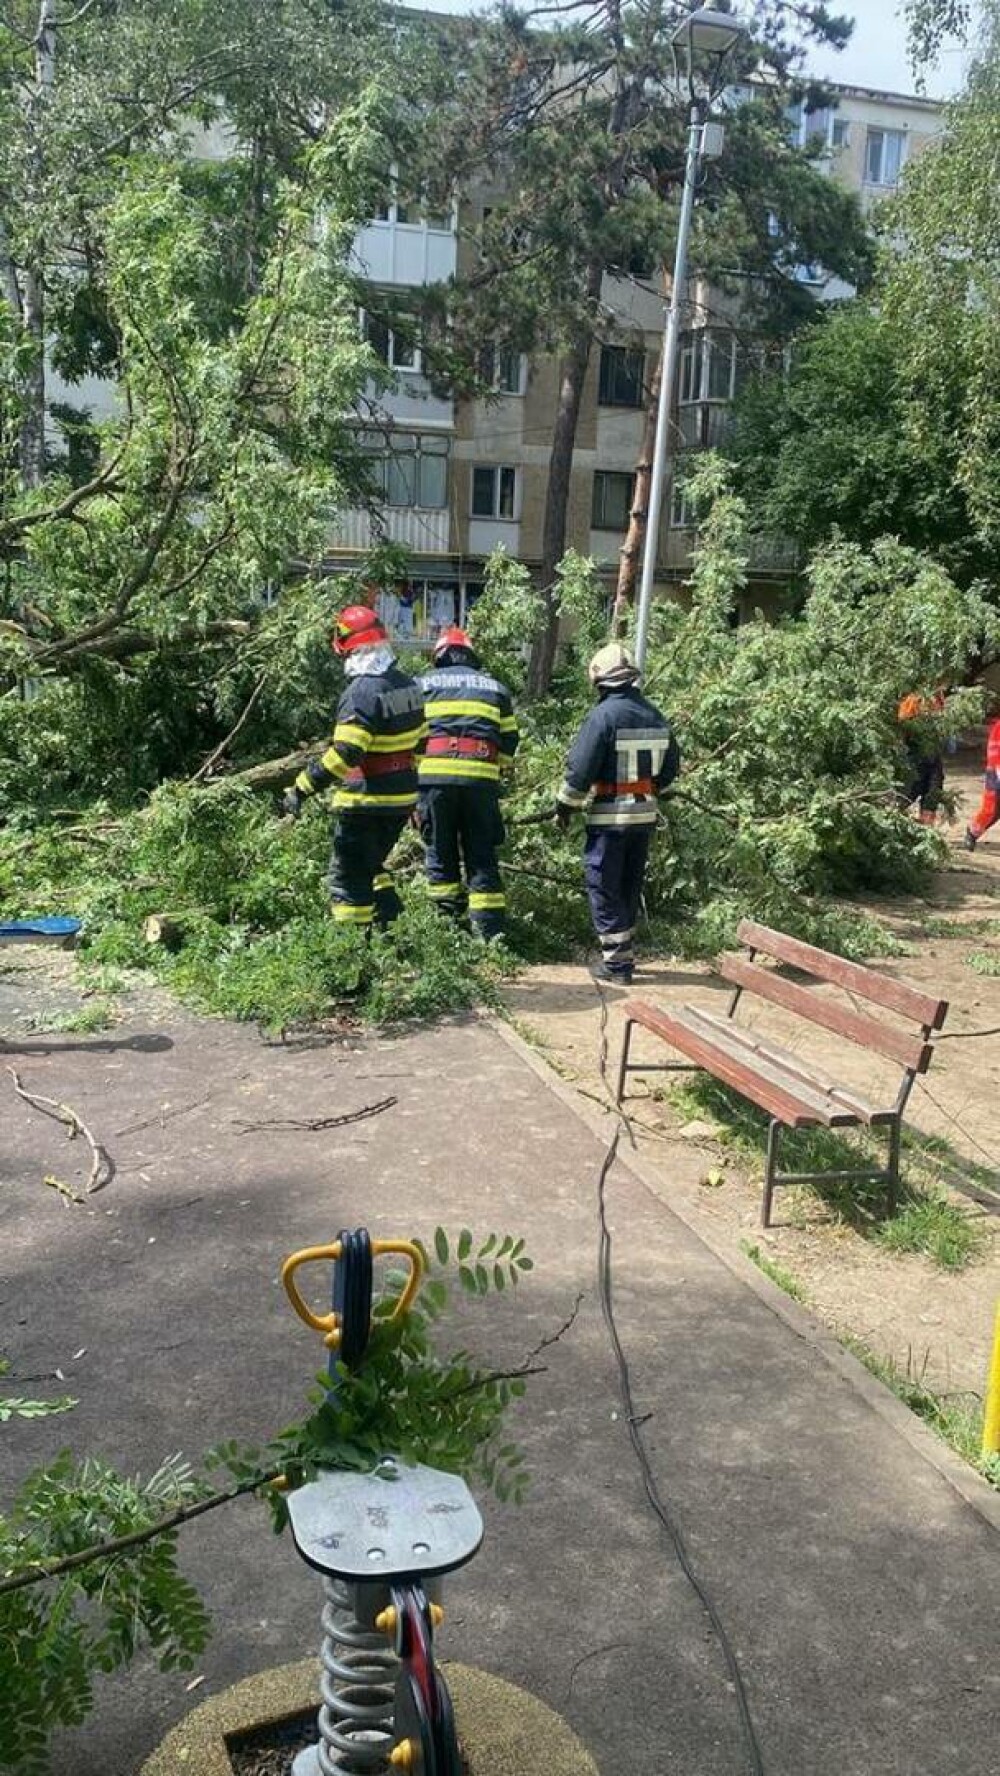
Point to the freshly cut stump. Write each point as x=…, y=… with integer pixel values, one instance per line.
x=504, y=1731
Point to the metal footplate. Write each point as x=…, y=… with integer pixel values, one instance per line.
x=383, y=1541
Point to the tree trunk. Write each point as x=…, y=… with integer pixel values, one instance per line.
x=630, y=555
x=32, y=390
x=32, y=279
x=574, y=375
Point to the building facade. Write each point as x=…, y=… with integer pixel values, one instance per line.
x=456, y=479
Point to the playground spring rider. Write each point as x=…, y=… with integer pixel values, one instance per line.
x=382, y=1542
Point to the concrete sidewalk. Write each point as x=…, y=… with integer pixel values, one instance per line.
x=859, y=1588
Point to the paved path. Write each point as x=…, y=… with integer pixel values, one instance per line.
x=860, y=1590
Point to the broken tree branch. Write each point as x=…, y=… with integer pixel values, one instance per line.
x=102, y=1168
x=315, y=1123
x=213, y=758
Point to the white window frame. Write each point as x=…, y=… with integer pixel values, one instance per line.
x=380, y=451
x=882, y=183
x=413, y=369
x=682, y=515
x=497, y=470
x=697, y=340
x=416, y=219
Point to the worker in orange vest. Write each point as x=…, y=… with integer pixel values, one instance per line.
x=924, y=784
x=988, y=812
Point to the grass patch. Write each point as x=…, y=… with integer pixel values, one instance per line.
x=938, y=925
x=936, y=1228
x=776, y=1272
x=926, y=1222
x=956, y=1418
x=87, y=1021
x=984, y=962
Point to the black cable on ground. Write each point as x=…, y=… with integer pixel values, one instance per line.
x=658, y=1505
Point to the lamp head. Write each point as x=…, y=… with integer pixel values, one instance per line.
x=709, y=30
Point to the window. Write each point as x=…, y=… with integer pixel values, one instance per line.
x=494, y=491
x=840, y=135
x=682, y=515
x=427, y=209
x=885, y=152
x=395, y=345
x=612, y=500
x=501, y=368
x=818, y=126
x=621, y=377
x=710, y=366
x=408, y=469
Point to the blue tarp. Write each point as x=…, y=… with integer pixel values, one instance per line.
x=42, y=927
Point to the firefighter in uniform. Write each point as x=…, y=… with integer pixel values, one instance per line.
x=624, y=756
x=371, y=762
x=988, y=812
x=471, y=741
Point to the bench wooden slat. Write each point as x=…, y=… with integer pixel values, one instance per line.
x=867, y=1032
x=778, y=1093
x=794, y=1064
x=894, y=995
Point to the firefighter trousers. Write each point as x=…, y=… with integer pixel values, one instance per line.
x=361, y=888
x=462, y=829
x=988, y=812
x=614, y=863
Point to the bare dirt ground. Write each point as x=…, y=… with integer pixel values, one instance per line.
x=934, y=1324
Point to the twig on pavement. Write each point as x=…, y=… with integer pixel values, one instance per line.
x=313, y=1124
x=102, y=1167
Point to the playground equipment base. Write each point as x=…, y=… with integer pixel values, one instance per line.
x=504, y=1731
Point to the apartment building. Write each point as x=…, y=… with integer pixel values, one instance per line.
x=455, y=479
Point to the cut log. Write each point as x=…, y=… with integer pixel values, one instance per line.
x=273, y=773
x=166, y=929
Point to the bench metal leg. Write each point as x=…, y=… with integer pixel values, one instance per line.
x=623, y=1065
x=770, y=1172
x=892, y=1174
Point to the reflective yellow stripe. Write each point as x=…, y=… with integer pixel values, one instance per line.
x=346, y=798
x=443, y=890
x=397, y=742
x=381, y=882
x=304, y=784
x=350, y=734
x=483, y=711
x=444, y=766
x=507, y=724
x=486, y=903
x=332, y=762
x=345, y=914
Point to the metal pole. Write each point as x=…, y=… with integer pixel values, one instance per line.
x=671, y=345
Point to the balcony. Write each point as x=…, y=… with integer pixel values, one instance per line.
x=425, y=532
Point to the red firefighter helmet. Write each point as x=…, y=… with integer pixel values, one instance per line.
x=357, y=626
x=451, y=638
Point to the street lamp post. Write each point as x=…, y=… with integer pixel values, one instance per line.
x=710, y=32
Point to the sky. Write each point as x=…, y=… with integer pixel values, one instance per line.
x=876, y=56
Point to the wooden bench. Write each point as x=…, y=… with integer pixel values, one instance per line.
x=793, y=1092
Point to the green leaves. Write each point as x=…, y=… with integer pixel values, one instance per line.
x=54, y=1636
x=478, y=1277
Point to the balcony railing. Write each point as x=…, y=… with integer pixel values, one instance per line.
x=425, y=532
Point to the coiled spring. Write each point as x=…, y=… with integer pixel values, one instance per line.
x=357, y=1684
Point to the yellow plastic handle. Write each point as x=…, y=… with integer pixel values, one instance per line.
x=325, y=1323
x=403, y=1249
x=329, y=1324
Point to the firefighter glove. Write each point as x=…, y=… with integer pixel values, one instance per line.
x=291, y=803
